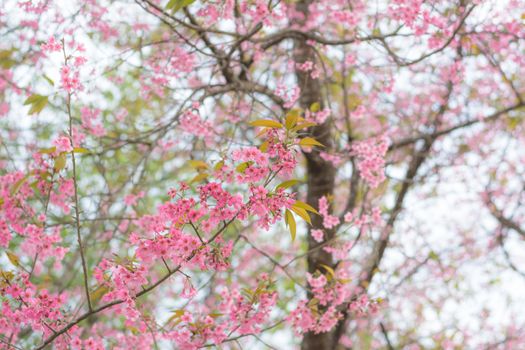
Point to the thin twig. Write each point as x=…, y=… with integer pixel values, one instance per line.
x=77, y=215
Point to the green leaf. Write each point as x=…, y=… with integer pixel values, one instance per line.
x=47, y=150
x=171, y=4
x=290, y=222
x=32, y=99
x=303, y=126
x=309, y=141
x=219, y=165
x=49, y=80
x=177, y=314
x=315, y=107
x=432, y=255
x=176, y=5
x=291, y=118
x=98, y=293
x=302, y=213
x=80, y=150
x=287, y=184
x=328, y=269
x=199, y=178
x=60, y=162
x=305, y=206
x=134, y=330
x=264, y=146
x=241, y=168
x=198, y=164
x=6, y=53
x=37, y=102
x=6, y=61
x=19, y=184
x=13, y=259
x=266, y=123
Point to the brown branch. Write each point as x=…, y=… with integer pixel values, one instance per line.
x=411, y=140
x=274, y=39
x=504, y=221
x=385, y=334
x=403, y=62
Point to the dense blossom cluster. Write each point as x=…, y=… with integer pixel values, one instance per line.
x=331, y=294
x=371, y=161
x=185, y=233
x=329, y=221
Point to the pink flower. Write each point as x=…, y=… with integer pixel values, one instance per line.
x=329, y=221
x=131, y=199
x=4, y=108
x=79, y=61
x=289, y=96
x=92, y=121
x=63, y=144
x=321, y=116
x=51, y=45
x=317, y=235
x=371, y=162
x=172, y=192
x=5, y=235
x=316, y=282
x=70, y=79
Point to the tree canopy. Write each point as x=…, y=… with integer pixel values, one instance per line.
x=245, y=174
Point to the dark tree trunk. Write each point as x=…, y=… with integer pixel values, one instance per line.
x=320, y=173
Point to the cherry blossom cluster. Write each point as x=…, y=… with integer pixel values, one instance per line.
x=331, y=294
x=371, y=162
x=329, y=221
x=186, y=233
